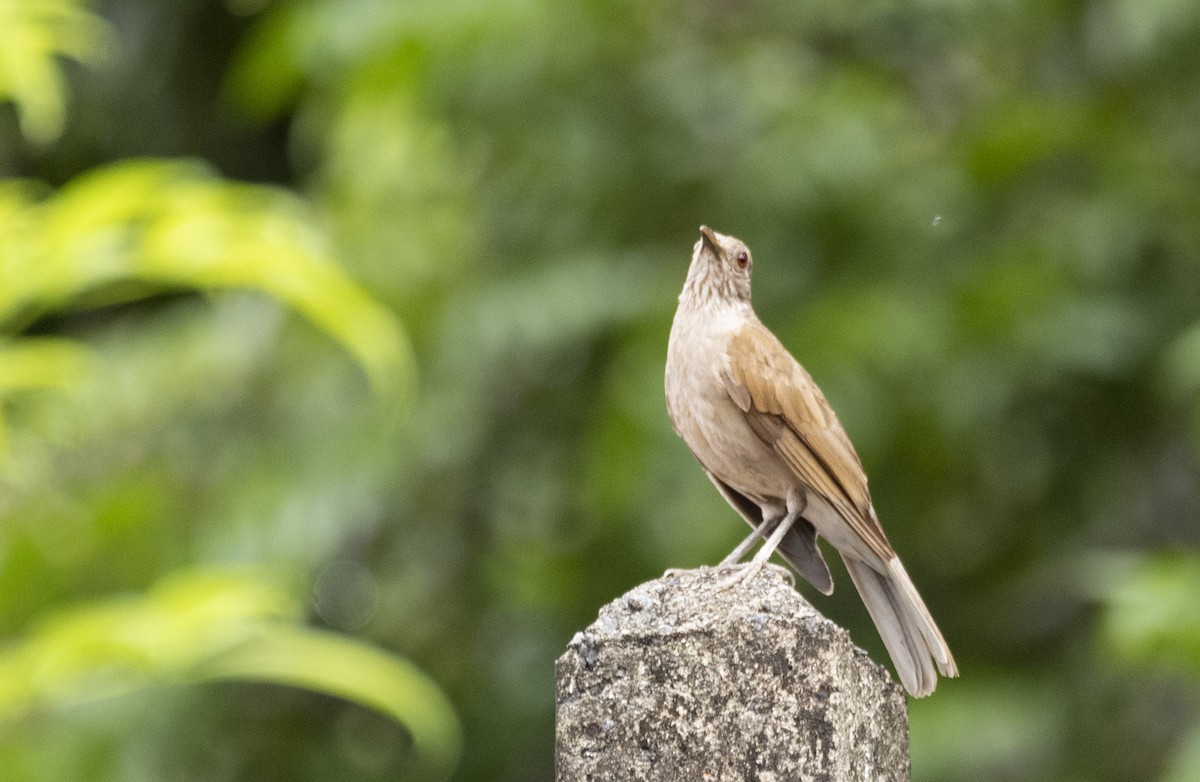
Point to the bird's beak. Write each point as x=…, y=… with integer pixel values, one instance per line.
x=710, y=240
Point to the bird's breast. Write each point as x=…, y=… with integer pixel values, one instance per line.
x=705, y=416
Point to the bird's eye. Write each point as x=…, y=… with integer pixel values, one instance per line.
x=743, y=259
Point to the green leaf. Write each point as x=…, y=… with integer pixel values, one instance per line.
x=34, y=34
x=37, y=363
x=42, y=362
x=336, y=665
x=170, y=224
x=219, y=623
x=1151, y=615
x=1184, y=764
x=115, y=646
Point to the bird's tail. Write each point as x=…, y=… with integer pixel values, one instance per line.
x=908, y=631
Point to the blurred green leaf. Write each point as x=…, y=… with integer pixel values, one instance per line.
x=33, y=35
x=37, y=363
x=116, y=646
x=1180, y=368
x=166, y=223
x=337, y=665
x=42, y=362
x=206, y=624
x=1151, y=611
x=1124, y=32
x=1184, y=764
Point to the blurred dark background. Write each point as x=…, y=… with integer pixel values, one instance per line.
x=344, y=322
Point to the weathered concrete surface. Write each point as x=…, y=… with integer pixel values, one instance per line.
x=679, y=681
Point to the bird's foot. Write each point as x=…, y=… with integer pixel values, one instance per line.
x=735, y=572
x=676, y=572
x=742, y=573
x=747, y=572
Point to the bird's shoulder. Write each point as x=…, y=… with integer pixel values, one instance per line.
x=774, y=381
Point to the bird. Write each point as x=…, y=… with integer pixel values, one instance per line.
x=775, y=450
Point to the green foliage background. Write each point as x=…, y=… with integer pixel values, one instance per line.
x=332, y=333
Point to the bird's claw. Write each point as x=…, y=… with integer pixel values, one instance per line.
x=747, y=572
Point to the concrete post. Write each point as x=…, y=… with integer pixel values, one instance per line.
x=677, y=680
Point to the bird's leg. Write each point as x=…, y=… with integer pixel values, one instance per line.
x=736, y=555
x=795, y=506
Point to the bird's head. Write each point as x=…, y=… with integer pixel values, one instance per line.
x=720, y=270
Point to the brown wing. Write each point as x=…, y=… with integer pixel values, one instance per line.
x=786, y=409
